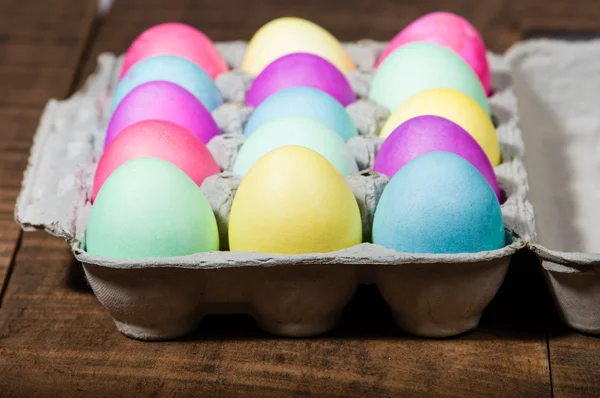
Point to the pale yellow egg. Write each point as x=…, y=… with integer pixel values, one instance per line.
x=290, y=35
x=454, y=106
x=294, y=201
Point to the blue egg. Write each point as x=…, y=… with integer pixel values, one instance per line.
x=175, y=70
x=438, y=203
x=305, y=102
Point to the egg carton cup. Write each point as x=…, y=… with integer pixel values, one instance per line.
x=434, y=295
x=558, y=86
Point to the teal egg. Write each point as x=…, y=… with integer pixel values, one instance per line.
x=150, y=208
x=438, y=203
x=171, y=69
x=421, y=66
x=304, y=102
x=299, y=131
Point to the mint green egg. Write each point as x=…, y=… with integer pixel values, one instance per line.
x=150, y=208
x=421, y=66
x=295, y=130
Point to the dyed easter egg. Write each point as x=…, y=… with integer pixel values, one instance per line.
x=451, y=31
x=420, y=66
x=438, y=203
x=305, y=102
x=172, y=69
x=150, y=208
x=166, y=101
x=424, y=134
x=178, y=39
x=288, y=35
x=455, y=106
x=294, y=201
x=157, y=139
x=300, y=69
x=300, y=131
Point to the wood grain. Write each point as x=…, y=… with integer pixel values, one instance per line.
x=39, y=53
x=575, y=361
x=56, y=338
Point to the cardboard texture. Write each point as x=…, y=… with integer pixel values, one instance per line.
x=289, y=295
x=558, y=88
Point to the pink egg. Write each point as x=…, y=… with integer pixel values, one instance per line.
x=424, y=134
x=157, y=139
x=451, y=31
x=160, y=100
x=300, y=69
x=178, y=39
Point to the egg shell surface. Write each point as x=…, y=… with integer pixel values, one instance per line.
x=174, y=38
x=304, y=102
x=300, y=131
x=166, y=101
x=294, y=201
x=420, y=66
x=300, y=69
x=289, y=35
x=438, y=203
x=150, y=208
x=424, y=134
x=451, y=31
x=158, y=139
x=455, y=106
x=172, y=69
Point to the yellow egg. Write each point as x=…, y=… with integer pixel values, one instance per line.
x=294, y=201
x=454, y=106
x=289, y=35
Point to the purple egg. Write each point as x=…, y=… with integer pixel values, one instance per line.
x=300, y=69
x=161, y=100
x=423, y=134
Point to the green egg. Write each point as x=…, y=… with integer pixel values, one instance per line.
x=150, y=208
x=421, y=66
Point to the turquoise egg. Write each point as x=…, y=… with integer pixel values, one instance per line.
x=150, y=208
x=175, y=70
x=295, y=131
x=438, y=203
x=306, y=102
x=421, y=66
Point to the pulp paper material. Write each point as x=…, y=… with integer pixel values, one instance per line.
x=558, y=87
x=431, y=295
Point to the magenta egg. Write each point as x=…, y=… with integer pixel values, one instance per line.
x=424, y=134
x=161, y=100
x=451, y=31
x=157, y=139
x=178, y=39
x=300, y=69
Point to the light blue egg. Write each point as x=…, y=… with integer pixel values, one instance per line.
x=301, y=131
x=306, y=102
x=438, y=203
x=175, y=70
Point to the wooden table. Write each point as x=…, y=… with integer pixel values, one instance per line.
x=55, y=339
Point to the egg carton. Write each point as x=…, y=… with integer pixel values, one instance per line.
x=433, y=295
x=558, y=87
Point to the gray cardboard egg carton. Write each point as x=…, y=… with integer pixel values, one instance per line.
x=291, y=295
x=558, y=86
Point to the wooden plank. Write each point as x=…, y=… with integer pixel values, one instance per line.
x=40, y=46
x=15, y=141
x=575, y=361
x=56, y=338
